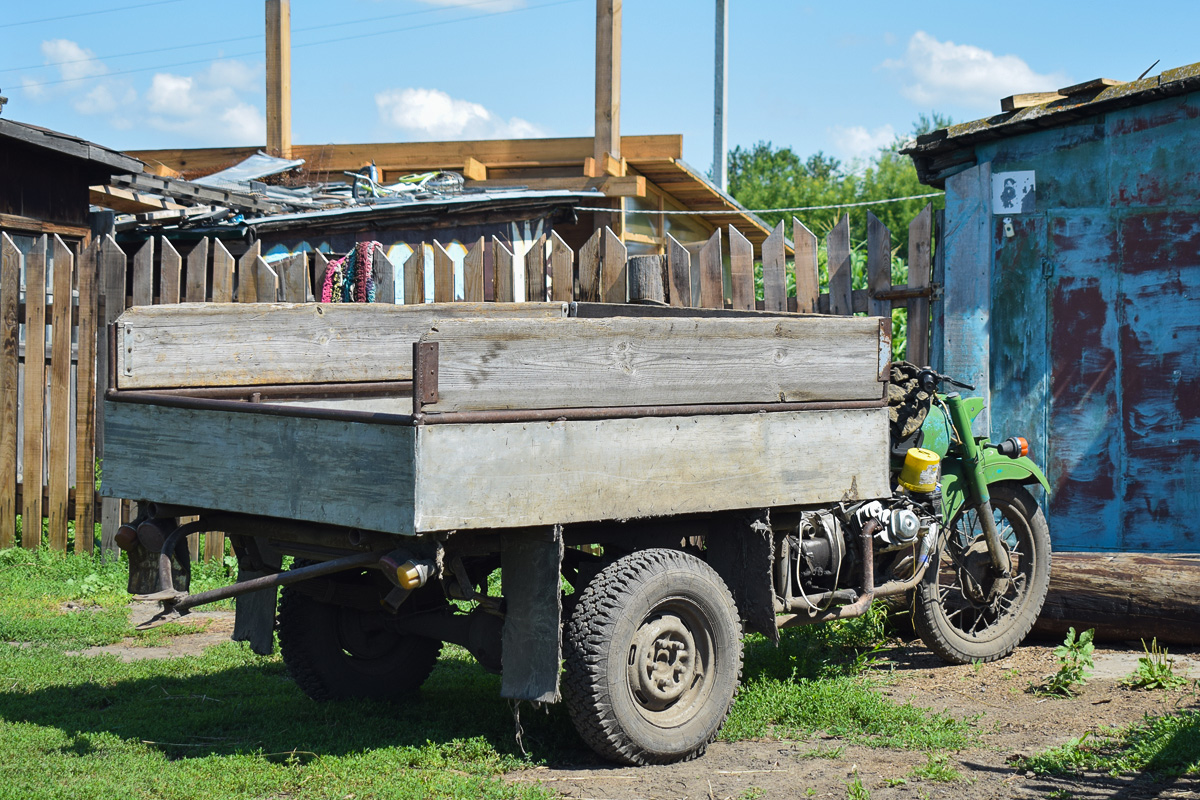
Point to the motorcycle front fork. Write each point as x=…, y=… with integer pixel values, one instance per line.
x=977, y=481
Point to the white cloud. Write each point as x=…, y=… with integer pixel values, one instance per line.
x=479, y=5
x=208, y=106
x=73, y=62
x=858, y=142
x=945, y=72
x=435, y=114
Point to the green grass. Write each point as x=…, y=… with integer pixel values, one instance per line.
x=231, y=724
x=1167, y=746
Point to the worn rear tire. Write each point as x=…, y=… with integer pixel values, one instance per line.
x=337, y=652
x=953, y=614
x=653, y=654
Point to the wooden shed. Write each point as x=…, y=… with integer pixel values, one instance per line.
x=1071, y=298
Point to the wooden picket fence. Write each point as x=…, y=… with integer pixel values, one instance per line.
x=57, y=410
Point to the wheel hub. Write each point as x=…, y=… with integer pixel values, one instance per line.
x=663, y=666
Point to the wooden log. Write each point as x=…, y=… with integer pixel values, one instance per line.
x=384, y=273
x=473, y=273
x=414, y=276
x=58, y=465
x=87, y=269
x=535, y=271
x=113, y=272
x=837, y=249
x=10, y=268
x=679, y=271
x=236, y=344
x=774, y=266
x=142, y=286
x=170, y=273
x=808, y=275
x=632, y=361
x=443, y=274
x=589, y=269
x=646, y=279
x=562, y=270
x=1124, y=596
x=920, y=236
x=223, y=267
x=879, y=266
x=741, y=270
x=196, y=279
x=712, y=288
x=502, y=271
x=614, y=281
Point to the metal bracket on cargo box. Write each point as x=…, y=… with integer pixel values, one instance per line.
x=425, y=374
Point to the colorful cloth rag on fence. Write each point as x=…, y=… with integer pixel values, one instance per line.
x=349, y=279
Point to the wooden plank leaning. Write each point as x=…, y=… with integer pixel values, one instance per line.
x=113, y=273
x=86, y=269
x=34, y=405
x=10, y=268
x=920, y=234
x=633, y=361
x=58, y=465
x=232, y=344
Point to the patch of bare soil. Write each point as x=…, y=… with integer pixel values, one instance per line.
x=203, y=629
x=1010, y=722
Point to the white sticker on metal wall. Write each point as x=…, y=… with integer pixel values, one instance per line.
x=1014, y=192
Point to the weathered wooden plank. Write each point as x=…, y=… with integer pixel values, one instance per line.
x=443, y=274
x=495, y=476
x=235, y=344
x=196, y=279
x=247, y=286
x=214, y=546
x=502, y=271
x=879, y=266
x=936, y=332
x=535, y=271
x=10, y=277
x=414, y=276
x=837, y=250
x=266, y=282
x=741, y=270
x=34, y=405
x=384, y=273
x=170, y=272
x=679, y=273
x=808, y=275
x=712, y=284
x=473, y=273
x=142, y=285
x=589, y=269
x=113, y=272
x=294, y=277
x=579, y=363
x=223, y=265
x=309, y=457
x=85, y=399
x=58, y=465
x=774, y=271
x=320, y=265
x=614, y=280
x=920, y=236
x=562, y=270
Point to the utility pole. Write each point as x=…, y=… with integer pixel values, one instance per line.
x=721, y=99
x=279, y=78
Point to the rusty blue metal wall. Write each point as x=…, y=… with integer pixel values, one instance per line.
x=1092, y=327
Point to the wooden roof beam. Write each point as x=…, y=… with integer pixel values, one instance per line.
x=127, y=201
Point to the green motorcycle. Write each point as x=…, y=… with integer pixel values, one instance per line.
x=988, y=579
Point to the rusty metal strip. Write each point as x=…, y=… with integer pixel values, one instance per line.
x=425, y=374
x=622, y=412
x=153, y=398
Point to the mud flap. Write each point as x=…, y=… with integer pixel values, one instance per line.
x=741, y=550
x=531, y=650
x=254, y=619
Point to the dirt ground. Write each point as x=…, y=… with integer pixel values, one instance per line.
x=1011, y=723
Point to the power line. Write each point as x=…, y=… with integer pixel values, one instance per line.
x=317, y=43
x=726, y=212
x=246, y=38
x=87, y=13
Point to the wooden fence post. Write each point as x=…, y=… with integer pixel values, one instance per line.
x=59, y=428
x=113, y=271
x=535, y=271
x=443, y=274
x=223, y=266
x=10, y=268
x=473, y=273
x=614, y=280
x=86, y=268
x=837, y=253
x=142, y=288
x=808, y=275
x=679, y=273
x=414, y=276
x=502, y=271
x=774, y=271
x=712, y=283
x=879, y=267
x=741, y=270
x=170, y=272
x=35, y=394
x=320, y=265
x=562, y=270
x=920, y=233
x=589, y=268
x=196, y=286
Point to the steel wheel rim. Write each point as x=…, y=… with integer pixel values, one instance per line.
x=964, y=586
x=669, y=668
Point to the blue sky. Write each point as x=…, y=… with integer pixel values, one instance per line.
x=839, y=77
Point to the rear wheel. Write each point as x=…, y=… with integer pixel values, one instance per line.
x=963, y=612
x=338, y=652
x=653, y=658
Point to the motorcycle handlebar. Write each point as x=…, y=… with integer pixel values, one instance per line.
x=931, y=380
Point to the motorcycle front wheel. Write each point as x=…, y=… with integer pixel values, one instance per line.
x=963, y=612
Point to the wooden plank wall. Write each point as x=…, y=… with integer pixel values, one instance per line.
x=62, y=418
